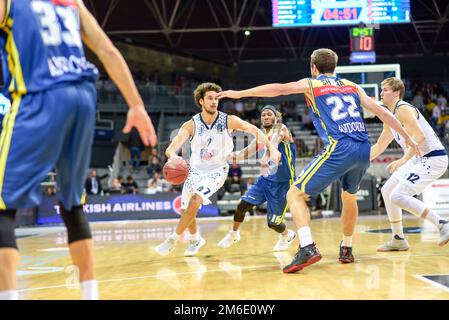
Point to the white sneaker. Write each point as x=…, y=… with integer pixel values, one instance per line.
x=166, y=247
x=194, y=247
x=285, y=242
x=444, y=234
x=230, y=238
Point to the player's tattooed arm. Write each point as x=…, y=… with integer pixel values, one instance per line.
x=268, y=90
x=185, y=132
x=235, y=123
x=385, y=138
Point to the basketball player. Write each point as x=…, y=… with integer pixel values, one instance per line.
x=410, y=175
x=211, y=145
x=51, y=121
x=271, y=187
x=336, y=106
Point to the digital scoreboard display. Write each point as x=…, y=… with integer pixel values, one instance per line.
x=362, y=45
x=290, y=13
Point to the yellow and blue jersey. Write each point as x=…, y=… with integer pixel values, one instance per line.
x=285, y=169
x=43, y=45
x=336, y=110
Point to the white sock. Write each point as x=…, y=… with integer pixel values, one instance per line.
x=434, y=218
x=347, y=241
x=175, y=236
x=305, y=236
x=195, y=236
x=9, y=295
x=89, y=290
x=235, y=232
x=397, y=229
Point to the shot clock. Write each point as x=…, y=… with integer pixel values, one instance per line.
x=362, y=45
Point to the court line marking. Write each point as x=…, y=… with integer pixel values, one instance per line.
x=431, y=282
x=220, y=270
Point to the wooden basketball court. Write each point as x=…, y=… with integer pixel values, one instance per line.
x=127, y=267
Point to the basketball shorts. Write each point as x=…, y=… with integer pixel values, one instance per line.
x=418, y=173
x=43, y=131
x=273, y=193
x=203, y=184
x=345, y=159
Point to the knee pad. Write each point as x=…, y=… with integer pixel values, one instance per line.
x=279, y=228
x=7, y=223
x=242, y=208
x=76, y=224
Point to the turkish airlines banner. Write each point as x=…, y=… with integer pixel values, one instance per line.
x=124, y=207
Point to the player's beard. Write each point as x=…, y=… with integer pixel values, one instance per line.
x=210, y=112
x=267, y=127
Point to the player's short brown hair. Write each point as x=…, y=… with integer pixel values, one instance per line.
x=395, y=84
x=201, y=90
x=324, y=59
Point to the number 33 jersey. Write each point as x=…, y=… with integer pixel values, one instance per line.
x=336, y=110
x=43, y=45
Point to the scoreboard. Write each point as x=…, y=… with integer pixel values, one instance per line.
x=289, y=13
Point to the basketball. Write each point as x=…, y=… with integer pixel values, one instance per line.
x=176, y=171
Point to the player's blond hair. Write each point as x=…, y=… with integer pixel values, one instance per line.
x=201, y=90
x=324, y=59
x=396, y=85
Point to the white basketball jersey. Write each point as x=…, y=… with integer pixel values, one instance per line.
x=210, y=145
x=430, y=143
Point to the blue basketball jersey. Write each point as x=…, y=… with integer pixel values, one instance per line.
x=43, y=45
x=337, y=113
x=285, y=169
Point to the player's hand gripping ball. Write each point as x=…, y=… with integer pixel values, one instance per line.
x=176, y=171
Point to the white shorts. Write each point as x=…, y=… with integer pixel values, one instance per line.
x=418, y=173
x=203, y=184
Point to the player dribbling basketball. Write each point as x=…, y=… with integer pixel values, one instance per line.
x=211, y=145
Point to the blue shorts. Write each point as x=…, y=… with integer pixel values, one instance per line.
x=346, y=160
x=274, y=193
x=43, y=131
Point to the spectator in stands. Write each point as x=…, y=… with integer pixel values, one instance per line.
x=319, y=145
x=250, y=108
x=418, y=101
x=301, y=146
x=290, y=114
x=238, y=107
x=131, y=186
x=93, y=184
x=153, y=185
x=436, y=113
x=441, y=124
x=429, y=105
x=306, y=120
x=442, y=102
x=50, y=191
x=228, y=107
x=234, y=180
x=135, y=146
x=154, y=153
x=116, y=187
x=260, y=104
x=283, y=108
x=154, y=166
x=246, y=185
x=155, y=78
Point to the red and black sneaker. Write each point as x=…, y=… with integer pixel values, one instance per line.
x=346, y=255
x=303, y=258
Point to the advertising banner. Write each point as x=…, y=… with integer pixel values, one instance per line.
x=124, y=207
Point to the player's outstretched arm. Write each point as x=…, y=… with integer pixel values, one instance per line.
x=268, y=90
x=385, y=138
x=118, y=70
x=184, y=133
x=235, y=123
x=388, y=118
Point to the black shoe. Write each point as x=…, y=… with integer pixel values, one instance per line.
x=346, y=255
x=303, y=258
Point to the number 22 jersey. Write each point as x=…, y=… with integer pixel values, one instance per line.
x=336, y=110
